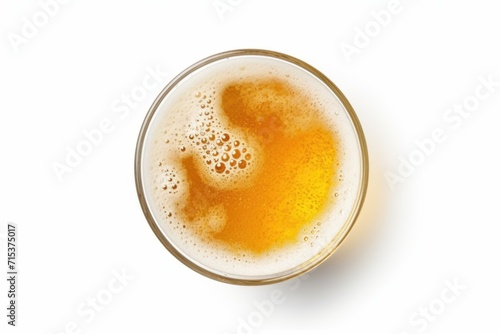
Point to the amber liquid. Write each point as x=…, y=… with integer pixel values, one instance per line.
x=299, y=154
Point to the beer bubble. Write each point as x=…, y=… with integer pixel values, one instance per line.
x=225, y=157
x=220, y=167
x=191, y=136
x=219, y=142
x=232, y=163
x=182, y=148
x=248, y=156
x=242, y=164
x=225, y=137
x=203, y=140
x=227, y=148
x=236, y=154
x=211, y=137
x=236, y=143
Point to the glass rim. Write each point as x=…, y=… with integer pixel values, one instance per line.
x=327, y=250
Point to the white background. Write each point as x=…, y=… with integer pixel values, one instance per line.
x=438, y=225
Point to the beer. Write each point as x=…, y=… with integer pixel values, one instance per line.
x=251, y=167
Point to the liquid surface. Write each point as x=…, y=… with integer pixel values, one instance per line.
x=291, y=186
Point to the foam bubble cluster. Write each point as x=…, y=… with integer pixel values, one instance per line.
x=167, y=179
x=221, y=152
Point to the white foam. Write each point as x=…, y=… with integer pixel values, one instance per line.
x=179, y=113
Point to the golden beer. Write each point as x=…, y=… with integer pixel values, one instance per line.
x=251, y=167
